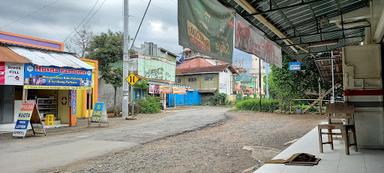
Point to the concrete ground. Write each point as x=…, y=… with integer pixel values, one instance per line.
x=36, y=153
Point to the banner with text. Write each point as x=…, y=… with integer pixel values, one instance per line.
x=57, y=76
x=11, y=73
x=206, y=27
x=249, y=39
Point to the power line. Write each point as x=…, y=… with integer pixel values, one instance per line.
x=141, y=22
x=29, y=14
x=87, y=18
x=83, y=20
x=95, y=12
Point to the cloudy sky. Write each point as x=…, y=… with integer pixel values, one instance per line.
x=56, y=19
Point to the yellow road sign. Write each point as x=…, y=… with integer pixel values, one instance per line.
x=132, y=79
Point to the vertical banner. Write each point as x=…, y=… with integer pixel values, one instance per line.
x=251, y=40
x=206, y=27
x=2, y=73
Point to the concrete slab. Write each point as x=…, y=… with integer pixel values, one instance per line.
x=364, y=161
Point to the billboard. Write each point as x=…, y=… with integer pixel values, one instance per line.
x=11, y=73
x=251, y=40
x=56, y=76
x=206, y=27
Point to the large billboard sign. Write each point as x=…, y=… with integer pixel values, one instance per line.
x=36, y=75
x=251, y=40
x=206, y=27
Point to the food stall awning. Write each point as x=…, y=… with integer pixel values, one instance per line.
x=50, y=58
x=7, y=55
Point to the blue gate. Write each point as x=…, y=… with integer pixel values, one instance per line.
x=191, y=98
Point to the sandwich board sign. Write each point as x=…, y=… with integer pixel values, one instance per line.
x=99, y=114
x=27, y=117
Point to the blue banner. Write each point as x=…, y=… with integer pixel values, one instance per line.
x=56, y=76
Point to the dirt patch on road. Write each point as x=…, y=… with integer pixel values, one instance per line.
x=242, y=142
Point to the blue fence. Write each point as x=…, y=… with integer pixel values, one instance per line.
x=192, y=98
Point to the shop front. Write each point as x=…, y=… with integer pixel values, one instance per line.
x=55, y=90
x=53, y=80
x=11, y=81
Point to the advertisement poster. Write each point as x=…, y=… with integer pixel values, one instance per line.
x=11, y=73
x=99, y=114
x=154, y=89
x=14, y=74
x=206, y=27
x=23, y=119
x=250, y=39
x=165, y=89
x=56, y=76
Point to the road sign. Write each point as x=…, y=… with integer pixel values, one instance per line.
x=132, y=79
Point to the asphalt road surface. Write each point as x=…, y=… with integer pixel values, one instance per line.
x=43, y=153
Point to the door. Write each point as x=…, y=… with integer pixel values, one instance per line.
x=64, y=106
x=7, y=100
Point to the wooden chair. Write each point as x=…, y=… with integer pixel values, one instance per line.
x=340, y=117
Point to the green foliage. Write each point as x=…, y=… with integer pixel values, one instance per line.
x=149, y=105
x=107, y=48
x=302, y=107
x=219, y=99
x=141, y=84
x=267, y=105
x=113, y=77
x=286, y=85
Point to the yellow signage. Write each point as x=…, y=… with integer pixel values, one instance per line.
x=56, y=87
x=132, y=79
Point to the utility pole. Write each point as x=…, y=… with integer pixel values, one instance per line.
x=125, y=101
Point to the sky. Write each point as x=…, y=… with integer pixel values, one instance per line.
x=56, y=19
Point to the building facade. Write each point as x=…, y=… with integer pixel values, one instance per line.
x=39, y=70
x=206, y=75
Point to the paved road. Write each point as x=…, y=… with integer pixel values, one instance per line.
x=33, y=154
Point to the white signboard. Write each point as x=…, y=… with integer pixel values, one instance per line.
x=14, y=74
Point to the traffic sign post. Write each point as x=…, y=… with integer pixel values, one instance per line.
x=132, y=79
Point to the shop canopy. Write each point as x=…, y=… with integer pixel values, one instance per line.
x=50, y=58
x=7, y=55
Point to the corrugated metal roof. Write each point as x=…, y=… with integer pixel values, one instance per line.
x=48, y=58
x=7, y=55
x=304, y=21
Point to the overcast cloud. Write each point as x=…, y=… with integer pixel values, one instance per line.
x=59, y=19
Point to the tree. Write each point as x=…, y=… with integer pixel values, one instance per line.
x=286, y=85
x=113, y=77
x=80, y=42
x=107, y=48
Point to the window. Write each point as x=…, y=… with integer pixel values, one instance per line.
x=192, y=79
x=210, y=77
x=178, y=80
